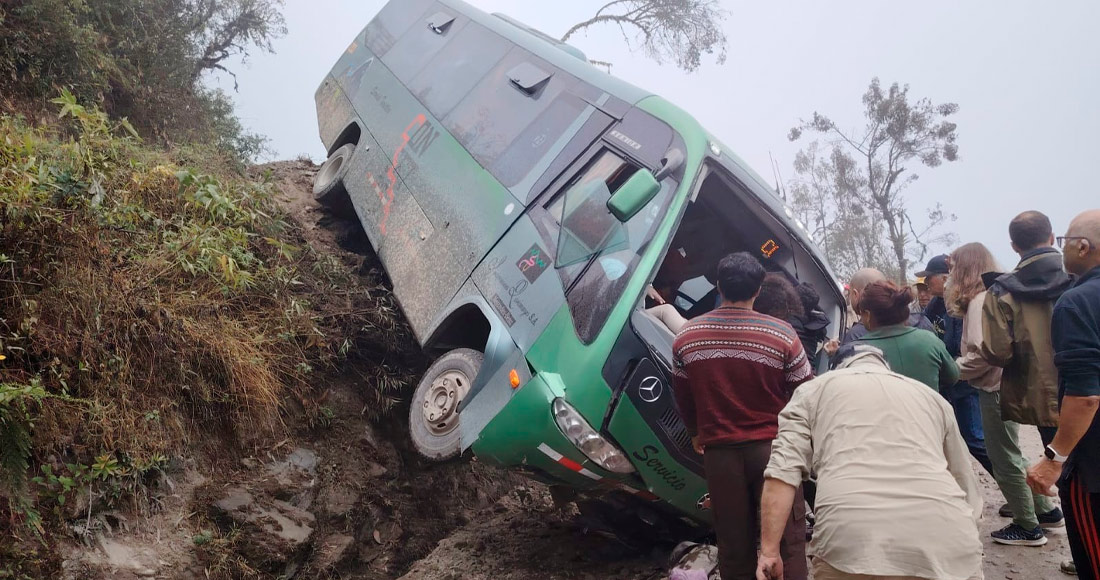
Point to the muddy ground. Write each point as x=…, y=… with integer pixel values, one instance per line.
x=347, y=498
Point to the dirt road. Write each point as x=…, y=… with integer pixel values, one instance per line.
x=1017, y=562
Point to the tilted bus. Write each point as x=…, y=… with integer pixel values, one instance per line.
x=522, y=202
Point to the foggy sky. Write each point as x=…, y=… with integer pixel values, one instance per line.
x=1025, y=75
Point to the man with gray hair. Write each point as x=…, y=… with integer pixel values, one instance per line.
x=859, y=282
x=896, y=494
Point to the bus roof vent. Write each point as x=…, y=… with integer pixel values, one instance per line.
x=440, y=22
x=528, y=77
x=566, y=48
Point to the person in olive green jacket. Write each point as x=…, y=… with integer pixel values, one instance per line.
x=1016, y=319
x=913, y=352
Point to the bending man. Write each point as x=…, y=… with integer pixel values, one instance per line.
x=896, y=494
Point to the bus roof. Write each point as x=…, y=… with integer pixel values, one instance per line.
x=561, y=55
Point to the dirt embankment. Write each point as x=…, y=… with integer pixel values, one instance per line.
x=343, y=497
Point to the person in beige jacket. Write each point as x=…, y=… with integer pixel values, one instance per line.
x=897, y=496
x=965, y=296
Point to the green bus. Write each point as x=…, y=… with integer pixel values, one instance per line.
x=524, y=205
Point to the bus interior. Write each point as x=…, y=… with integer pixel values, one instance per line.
x=722, y=218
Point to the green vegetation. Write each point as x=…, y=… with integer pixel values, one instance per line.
x=142, y=59
x=150, y=309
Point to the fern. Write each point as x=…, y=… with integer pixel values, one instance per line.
x=16, y=422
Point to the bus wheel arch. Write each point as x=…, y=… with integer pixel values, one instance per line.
x=465, y=327
x=349, y=135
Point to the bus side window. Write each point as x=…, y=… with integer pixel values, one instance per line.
x=393, y=21
x=495, y=113
x=420, y=43
x=453, y=72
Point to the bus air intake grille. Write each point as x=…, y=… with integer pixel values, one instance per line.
x=674, y=428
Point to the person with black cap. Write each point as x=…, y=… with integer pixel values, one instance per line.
x=935, y=275
x=962, y=396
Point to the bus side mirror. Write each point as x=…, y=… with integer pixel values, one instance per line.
x=633, y=195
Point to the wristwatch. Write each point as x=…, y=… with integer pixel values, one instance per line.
x=1053, y=455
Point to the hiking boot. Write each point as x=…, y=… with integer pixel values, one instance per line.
x=1052, y=519
x=1006, y=512
x=1014, y=535
x=1068, y=567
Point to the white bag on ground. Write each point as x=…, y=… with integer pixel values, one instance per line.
x=691, y=561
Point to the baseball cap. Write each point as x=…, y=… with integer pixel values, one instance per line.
x=937, y=265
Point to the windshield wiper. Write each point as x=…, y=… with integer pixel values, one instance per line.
x=584, y=270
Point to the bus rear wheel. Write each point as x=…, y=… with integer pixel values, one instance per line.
x=433, y=415
x=328, y=184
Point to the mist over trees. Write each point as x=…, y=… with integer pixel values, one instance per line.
x=849, y=186
x=141, y=59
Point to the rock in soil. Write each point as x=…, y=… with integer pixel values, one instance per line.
x=275, y=532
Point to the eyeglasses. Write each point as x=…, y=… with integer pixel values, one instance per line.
x=1063, y=239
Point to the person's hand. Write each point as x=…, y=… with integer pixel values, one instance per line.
x=1042, y=476
x=654, y=295
x=769, y=567
x=831, y=347
x=696, y=445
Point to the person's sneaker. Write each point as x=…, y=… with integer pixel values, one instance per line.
x=1006, y=512
x=1052, y=519
x=1068, y=567
x=1014, y=535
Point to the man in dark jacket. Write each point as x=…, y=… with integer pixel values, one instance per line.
x=962, y=396
x=1016, y=325
x=1073, y=457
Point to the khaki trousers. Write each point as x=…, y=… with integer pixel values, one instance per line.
x=823, y=571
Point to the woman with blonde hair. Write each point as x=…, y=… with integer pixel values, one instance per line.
x=965, y=294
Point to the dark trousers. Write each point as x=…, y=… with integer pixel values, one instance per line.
x=964, y=400
x=1082, y=511
x=735, y=478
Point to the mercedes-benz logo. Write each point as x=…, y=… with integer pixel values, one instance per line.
x=650, y=390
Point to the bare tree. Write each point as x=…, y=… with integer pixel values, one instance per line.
x=872, y=166
x=221, y=29
x=678, y=30
x=822, y=197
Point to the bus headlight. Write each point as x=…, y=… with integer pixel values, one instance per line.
x=601, y=451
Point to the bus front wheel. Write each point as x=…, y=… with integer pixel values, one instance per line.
x=433, y=415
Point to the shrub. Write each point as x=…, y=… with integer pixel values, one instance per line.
x=149, y=309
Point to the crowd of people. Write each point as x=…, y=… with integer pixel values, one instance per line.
x=879, y=445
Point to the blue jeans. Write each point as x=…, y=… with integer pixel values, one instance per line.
x=968, y=413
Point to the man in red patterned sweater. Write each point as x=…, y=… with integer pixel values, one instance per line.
x=735, y=370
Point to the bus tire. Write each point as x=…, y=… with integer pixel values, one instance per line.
x=433, y=417
x=328, y=184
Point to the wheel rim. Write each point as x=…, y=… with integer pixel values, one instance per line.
x=329, y=170
x=440, y=403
